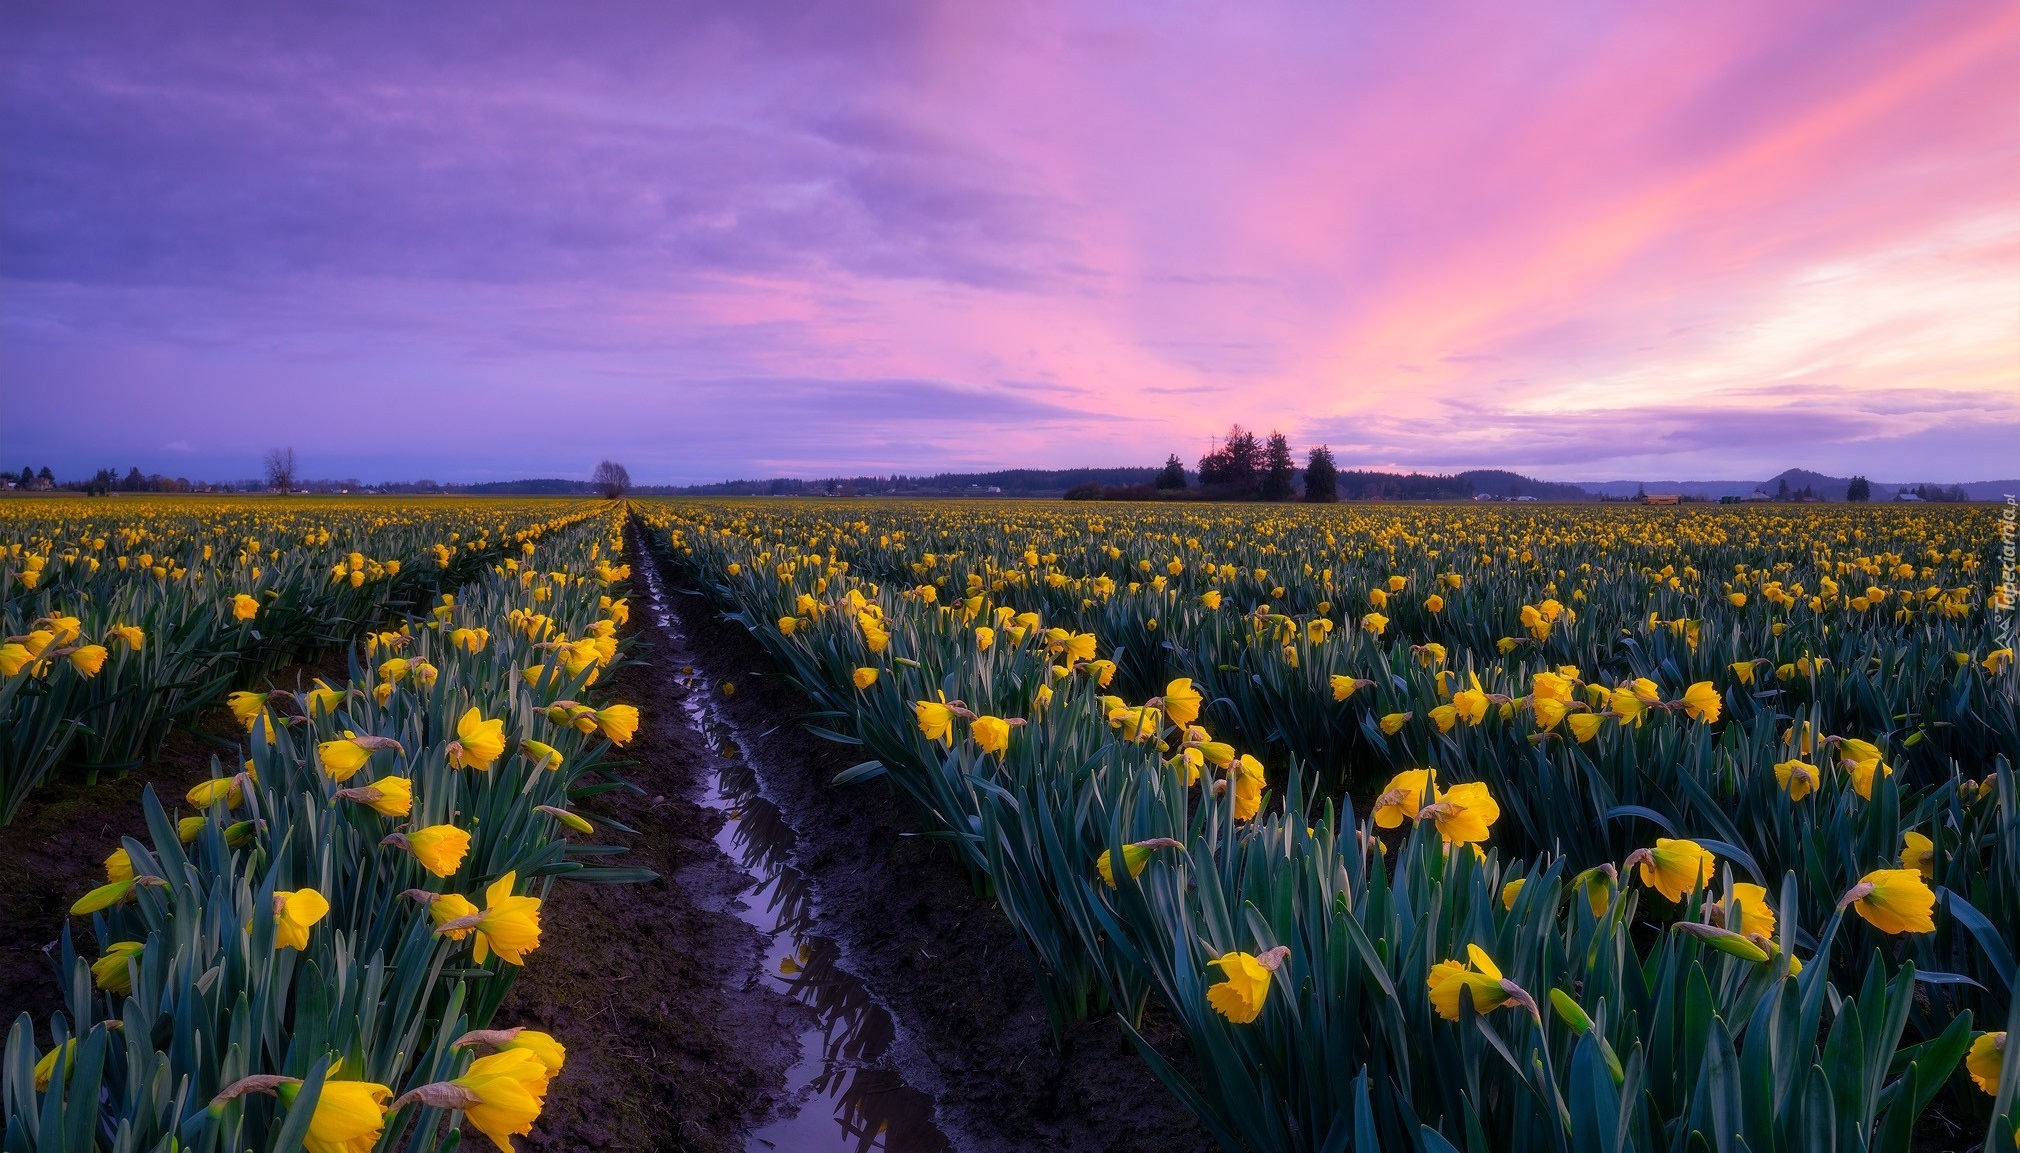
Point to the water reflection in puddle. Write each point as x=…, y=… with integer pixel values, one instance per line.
x=849, y=1097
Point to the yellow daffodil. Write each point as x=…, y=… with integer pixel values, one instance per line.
x=1893, y=901
x=1675, y=867
x=387, y=796
x=1248, y=787
x=226, y=790
x=349, y=1117
x=342, y=759
x=510, y=1087
x=439, y=848
x=1797, y=778
x=88, y=660
x=294, y=914
x=1182, y=701
x=110, y=971
x=1470, y=704
x=1463, y=813
x=1135, y=857
x=1345, y=686
x=478, y=742
x=990, y=734
x=1480, y=977
x=1240, y=997
x=45, y=1068
x=935, y=719
x=1585, y=726
x=1701, y=702
x=1403, y=798
x=1756, y=918
x=1918, y=853
x=1985, y=1061
x=509, y=925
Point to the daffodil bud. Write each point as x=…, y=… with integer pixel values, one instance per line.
x=1570, y=1012
x=1724, y=940
x=572, y=820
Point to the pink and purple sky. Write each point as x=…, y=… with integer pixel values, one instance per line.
x=480, y=240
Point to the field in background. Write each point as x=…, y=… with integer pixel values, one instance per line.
x=1431, y=826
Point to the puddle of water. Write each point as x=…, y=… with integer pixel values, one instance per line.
x=850, y=1097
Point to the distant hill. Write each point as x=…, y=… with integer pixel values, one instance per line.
x=1826, y=487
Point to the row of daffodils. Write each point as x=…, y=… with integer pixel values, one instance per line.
x=308, y=950
x=116, y=619
x=1643, y=856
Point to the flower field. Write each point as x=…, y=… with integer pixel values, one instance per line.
x=1422, y=827
x=1448, y=828
x=309, y=949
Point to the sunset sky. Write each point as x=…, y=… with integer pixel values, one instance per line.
x=472, y=240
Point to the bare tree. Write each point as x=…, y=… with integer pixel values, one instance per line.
x=280, y=464
x=611, y=478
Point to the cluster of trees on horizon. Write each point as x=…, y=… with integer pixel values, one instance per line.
x=1245, y=466
x=281, y=468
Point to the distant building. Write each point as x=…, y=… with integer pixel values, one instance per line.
x=1907, y=498
x=1530, y=499
x=1757, y=495
x=1662, y=498
x=1485, y=496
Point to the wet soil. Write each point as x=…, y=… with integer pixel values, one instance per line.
x=944, y=960
x=55, y=850
x=672, y=1041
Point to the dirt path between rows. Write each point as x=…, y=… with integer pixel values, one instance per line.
x=671, y=1042
x=944, y=961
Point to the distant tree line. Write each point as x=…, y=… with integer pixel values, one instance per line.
x=1246, y=466
x=1954, y=494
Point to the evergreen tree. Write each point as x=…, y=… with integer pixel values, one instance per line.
x=1235, y=464
x=1860, y=490
x=1322, y=477
x=1244, y=457
x=134, y=482
x=1173, y=476
x=45, y=474
x=1641, y=492
x=1213, y=469
x=1278, y=468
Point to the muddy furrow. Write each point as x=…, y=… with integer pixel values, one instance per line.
x=927, y=1032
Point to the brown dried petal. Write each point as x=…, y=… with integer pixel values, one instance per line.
x=258, y=1083
x=440, y=1095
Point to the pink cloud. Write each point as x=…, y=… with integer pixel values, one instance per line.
x=1531, y=227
